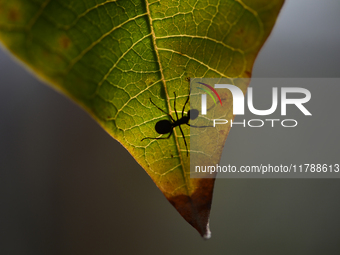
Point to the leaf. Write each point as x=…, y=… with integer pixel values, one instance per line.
x=113, y=56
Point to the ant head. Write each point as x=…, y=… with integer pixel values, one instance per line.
x=193, y=114
x=163, y=127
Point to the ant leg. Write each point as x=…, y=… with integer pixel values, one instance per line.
x=158, y=138
x=162, y=110
x=197, y=126
x=175, y=106
x=184, y=106
x=186, y=146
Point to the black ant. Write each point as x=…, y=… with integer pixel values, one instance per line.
x=165, y=126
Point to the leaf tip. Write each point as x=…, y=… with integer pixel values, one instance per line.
x=207, y=234
x=195, y=209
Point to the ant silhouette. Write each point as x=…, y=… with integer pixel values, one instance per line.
x=165, y=126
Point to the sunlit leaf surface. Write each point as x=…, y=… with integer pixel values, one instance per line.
x=112, y=57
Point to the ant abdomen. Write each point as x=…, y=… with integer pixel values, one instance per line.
x=163, y=127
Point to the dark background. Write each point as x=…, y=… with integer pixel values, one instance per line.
x=66, y=187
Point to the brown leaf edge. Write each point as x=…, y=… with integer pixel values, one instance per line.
x=195, y=209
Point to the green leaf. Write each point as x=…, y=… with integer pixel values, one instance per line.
x=112, y=57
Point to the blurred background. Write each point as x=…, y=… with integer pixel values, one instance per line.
x=66, y=187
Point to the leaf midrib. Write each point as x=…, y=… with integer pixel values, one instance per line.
x=153, y=35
